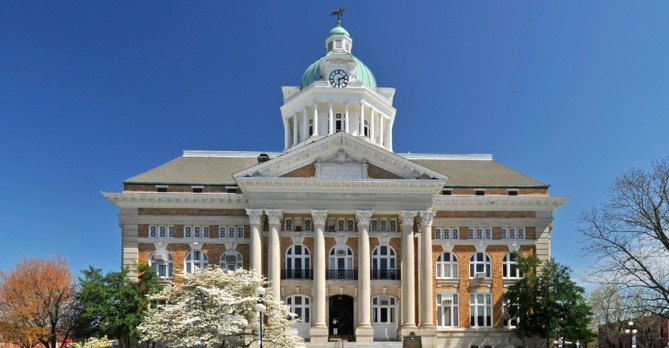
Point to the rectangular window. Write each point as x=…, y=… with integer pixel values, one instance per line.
x=171, y=231
x=152, y=231
x=393, y=225
x=480, y=310
x=374, y=226
x=340, y=225
x=298, y=224
x=161, y=189
x=447, y=233
x=437, y=233
x=197, y=189
x=205, y=231
x=479, y=233
x=384, y=225
x=288, y=224
x=221, y=232
x=504, y=233
x=521, y=233
x=197, y=231
x=307, y=225
x=351, y=225
x=512, y=233
x=240, y=232
x=456, y=233
x=509, y=322
x=471, y=233
x=448, y=313
x=513, y=192
x=331, y=225
x=488, y=233
x=231, y=232
x=447, y=192
x=480, y=192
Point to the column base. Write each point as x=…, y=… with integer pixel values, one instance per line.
x=364, y=334
x=406, y=330
x=319, y=334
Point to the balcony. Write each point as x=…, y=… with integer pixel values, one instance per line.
x=297, y=274
x=394, y=274
x=342, y=274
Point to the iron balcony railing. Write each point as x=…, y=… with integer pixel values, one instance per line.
x=394, y=274
x=297, y=274
x=348, y=274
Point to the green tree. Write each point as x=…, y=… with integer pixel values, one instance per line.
x=548, y=303
x=113, y=305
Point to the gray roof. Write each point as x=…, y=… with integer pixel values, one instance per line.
x=218, y=167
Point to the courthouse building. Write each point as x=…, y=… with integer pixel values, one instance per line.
x=361, y=242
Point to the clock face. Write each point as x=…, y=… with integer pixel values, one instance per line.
x=338, y=78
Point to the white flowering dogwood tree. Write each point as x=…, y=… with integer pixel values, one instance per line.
x=217, y=308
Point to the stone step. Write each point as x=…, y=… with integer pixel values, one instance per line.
x=345, y=344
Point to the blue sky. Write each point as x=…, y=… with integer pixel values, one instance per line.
x=95, y=92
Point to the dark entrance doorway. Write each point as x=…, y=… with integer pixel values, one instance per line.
x=341, y=316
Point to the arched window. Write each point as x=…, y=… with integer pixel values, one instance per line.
x=196, y=260
x=300, y=305
x=163, y=264
x=447, y=266
x=510, y=267
x=384, y=263
x=383, y=310
x=341, y=263
x=479, y=266
x=231, y=260
x=298, y=261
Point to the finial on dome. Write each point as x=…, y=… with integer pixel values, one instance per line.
x=338, y=13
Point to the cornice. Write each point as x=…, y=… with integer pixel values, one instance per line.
x=491, y=203
x=338, y=186
x=176, y=200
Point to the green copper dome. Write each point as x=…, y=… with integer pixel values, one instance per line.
x=338, y=30
x=313, y=72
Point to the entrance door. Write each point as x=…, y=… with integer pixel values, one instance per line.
x=341, y=316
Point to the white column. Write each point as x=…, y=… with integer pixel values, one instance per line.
x=364, y=332
x=295, y=129
x=390, y=135
x=305, y=125
x=426, y=298
x=286, y=134
x=362, y=119
x=274, y=263
x=330, y=120
x=381, y=117
x=255, y=220
x=346, y=119
x=315, y=118
x=319, y=328
x=407, y=267
x=371, y=126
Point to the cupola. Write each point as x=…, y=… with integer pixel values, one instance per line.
x=339, y=40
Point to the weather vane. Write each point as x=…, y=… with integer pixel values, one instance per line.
x=338, y=13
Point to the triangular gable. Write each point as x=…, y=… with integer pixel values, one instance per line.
x=346, y=152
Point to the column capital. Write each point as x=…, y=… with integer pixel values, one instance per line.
x=255, y=216
x=363, y=217
x=320, y=216
x=408, y=216
x=426, y=217
x=274, y=216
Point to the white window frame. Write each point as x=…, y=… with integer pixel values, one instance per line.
x=452, y=265
x=161, y=231
x=452, y=316
x=350, y=225
x=341, y=225
x=479, y=266
x=195, y=260
x=288, y=224
x=238, y=264
x=378, y=308
x=333, y=258
x=509, y=265
x=304, y=307
x=377, y=257
x=307, y=225
x=197, y=231
x=304, y=257
x=392, y=225
x=480, y=303
x=446, y=233
x=164, y=269
x=509, y=323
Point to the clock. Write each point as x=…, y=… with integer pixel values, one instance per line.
x=338, y=78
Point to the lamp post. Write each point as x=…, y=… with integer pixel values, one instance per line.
x=633, y=331
x=260, y=307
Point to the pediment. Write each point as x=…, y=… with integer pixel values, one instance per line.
x=341, y=156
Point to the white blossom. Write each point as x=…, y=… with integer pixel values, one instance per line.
x=215, y=308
